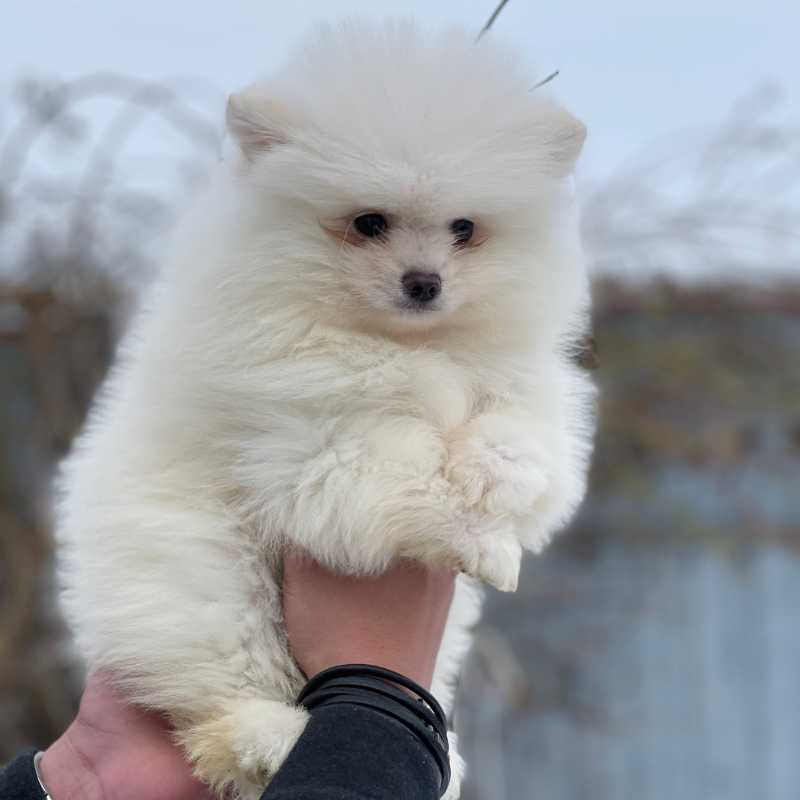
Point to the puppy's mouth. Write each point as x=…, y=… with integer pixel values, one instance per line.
x=409, y=306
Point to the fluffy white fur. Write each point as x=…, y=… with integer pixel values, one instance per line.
x=273, y=390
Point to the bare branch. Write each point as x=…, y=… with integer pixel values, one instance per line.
x=550, y=77
x=492, y=19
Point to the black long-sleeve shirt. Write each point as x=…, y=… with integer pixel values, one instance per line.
x=347, y=752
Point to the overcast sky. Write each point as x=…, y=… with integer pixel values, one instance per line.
x=632, y=69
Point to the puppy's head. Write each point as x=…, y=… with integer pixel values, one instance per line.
x=409, y=182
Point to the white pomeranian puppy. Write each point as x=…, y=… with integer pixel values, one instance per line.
x=361, y=345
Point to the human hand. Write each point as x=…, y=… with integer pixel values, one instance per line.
x=116, y=751
x=395, y=620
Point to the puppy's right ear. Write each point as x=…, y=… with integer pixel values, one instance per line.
x=257, y=124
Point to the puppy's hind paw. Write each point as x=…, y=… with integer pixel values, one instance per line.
x=242, y=747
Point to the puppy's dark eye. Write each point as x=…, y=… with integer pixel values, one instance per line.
x=371, y=225
x=462, y=229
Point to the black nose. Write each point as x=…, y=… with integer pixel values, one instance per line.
x=422, y=286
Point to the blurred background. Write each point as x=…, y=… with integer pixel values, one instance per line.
x=654, y=651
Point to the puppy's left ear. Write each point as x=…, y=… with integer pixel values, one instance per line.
x=560, y=137
x=257, y=123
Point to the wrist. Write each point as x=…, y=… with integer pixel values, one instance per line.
x=394, y=620
x=378, y=653
x=68, y=771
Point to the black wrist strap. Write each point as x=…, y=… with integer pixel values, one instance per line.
x=371, y=671
x=377, y=688
x=340, y=686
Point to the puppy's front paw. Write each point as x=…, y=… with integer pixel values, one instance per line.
x=495, y=558
x=497, y=476
x=499, y=561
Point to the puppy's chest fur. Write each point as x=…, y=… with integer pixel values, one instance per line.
x=444, y=387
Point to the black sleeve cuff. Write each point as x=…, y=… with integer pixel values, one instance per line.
x=18, y=779
x=350, y=752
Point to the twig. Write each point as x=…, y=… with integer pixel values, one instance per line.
x=545, y=80
x=492, y=19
